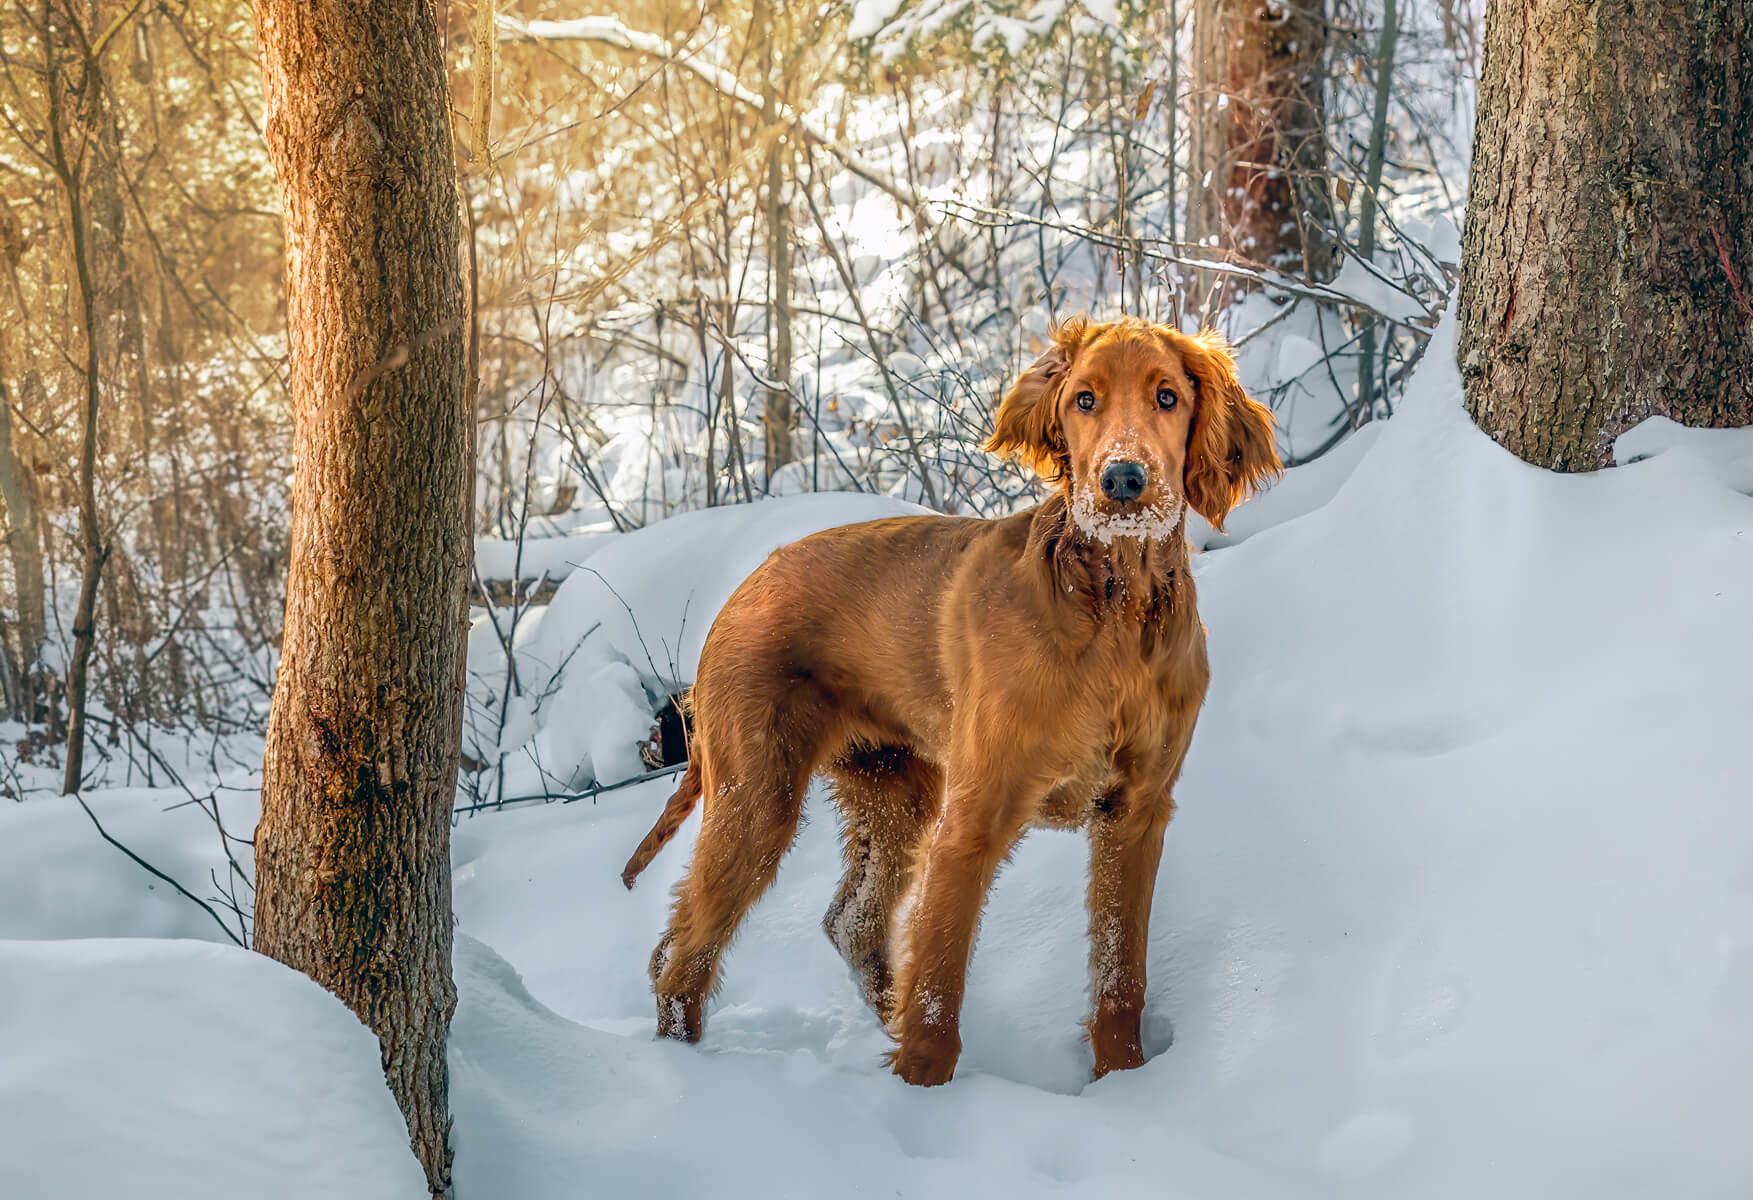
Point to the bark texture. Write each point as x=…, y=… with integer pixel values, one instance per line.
x=1607, y=269
x=353, y=851
x=1259, y=147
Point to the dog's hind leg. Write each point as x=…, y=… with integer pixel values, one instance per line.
x=887, y=797
x=751, y=816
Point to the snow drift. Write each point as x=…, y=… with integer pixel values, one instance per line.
x=174, y=1069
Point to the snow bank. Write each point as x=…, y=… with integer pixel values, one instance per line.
x=171, y=1070
x=625, y=628
x=538, y=558
x=1302, y=490
x=59, y=879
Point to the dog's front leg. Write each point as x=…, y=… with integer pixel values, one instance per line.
x=980, y=825
x=1126, y=843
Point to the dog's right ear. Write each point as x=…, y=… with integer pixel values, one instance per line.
x=1027, y=427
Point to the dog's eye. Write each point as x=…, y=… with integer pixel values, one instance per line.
x=1086, y=401
x=1165, y=399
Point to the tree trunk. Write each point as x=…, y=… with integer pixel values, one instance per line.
x=18, y=492
x=353, y=851
x=65, y=161
x=1366, y=207
x=776, y=417
x=1607, y=269
x=1259, y=146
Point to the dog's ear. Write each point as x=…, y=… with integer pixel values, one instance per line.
x=1233, y=447
x=1027, y=427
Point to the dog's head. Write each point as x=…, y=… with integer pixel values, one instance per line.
x=1137, y=421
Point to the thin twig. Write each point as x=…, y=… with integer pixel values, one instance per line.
x=150, y=869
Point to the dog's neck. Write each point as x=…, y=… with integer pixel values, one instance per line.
x=1139, y=580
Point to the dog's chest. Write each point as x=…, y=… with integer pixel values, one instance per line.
x=1122, y=740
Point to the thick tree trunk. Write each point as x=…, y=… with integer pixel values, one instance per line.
x=352, y=855
x=1259, y=147
x=1607, y=269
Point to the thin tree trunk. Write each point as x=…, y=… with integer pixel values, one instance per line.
x=1259, y=149
x=777, y=415
x=1366, y=237
x=1171, y=112
x=64, y=163
x=19, y=493
x=1607, y=269
x=353, y=850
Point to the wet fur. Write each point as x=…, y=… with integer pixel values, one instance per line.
x=959, y=680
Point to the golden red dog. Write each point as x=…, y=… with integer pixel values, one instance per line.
x=959, y=680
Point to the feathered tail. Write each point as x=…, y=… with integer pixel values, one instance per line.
x=670, y=820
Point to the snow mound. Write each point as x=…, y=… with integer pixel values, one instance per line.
x=58, y=879
x=1725, y=453
x=1302, y=490
x=625, y=628
x=173, y=1070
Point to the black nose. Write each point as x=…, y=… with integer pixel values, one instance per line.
x=1124, y=480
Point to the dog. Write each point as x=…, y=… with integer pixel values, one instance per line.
x=959, y=680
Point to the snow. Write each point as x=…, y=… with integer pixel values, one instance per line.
x=175, y=1069
x=1301, y=491
x=537, y=557
x=91, y=890
x=1727, y=453
x=1374, y=291
x=1456, y=901
x=868, y=16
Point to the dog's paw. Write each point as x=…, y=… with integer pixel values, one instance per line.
x=1116, y=1043
x=680, y=1017
x=926, y=1063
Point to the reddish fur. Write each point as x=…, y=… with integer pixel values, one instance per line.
x=674, y=813
x=959, y=680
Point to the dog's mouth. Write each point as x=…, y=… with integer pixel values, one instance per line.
x=1152, y=518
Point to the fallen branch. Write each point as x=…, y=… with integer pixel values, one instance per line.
x=589, y=793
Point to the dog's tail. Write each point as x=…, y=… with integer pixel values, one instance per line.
x=670, y=820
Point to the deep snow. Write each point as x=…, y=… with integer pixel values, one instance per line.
x=175, y=1068
x=1458, y=900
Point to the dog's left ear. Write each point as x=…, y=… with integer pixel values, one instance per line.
x=1027, y=426
x=1233, y=447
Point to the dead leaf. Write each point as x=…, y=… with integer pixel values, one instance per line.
x=1143, y=105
